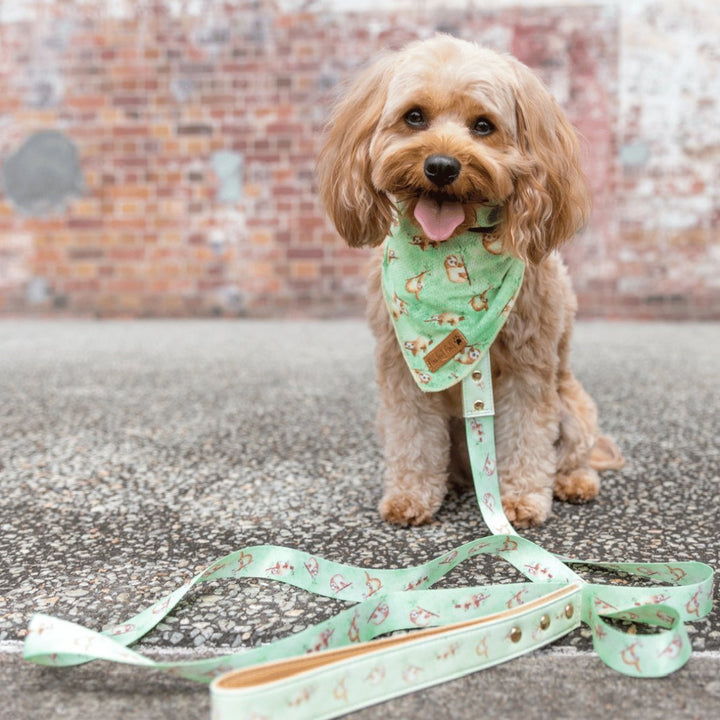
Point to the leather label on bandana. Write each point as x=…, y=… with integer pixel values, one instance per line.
x=446, y=350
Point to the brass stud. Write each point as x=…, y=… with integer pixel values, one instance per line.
x=569, y=610
x=516, y=634
x=477, y=376
x=544, y=622
x=479, y=405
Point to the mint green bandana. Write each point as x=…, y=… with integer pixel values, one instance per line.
x=449, y=299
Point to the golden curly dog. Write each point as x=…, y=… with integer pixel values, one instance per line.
x=442, y=126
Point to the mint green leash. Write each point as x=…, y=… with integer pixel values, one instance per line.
x=338, y=666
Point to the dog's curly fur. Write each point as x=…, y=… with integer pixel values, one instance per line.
x=424, y=100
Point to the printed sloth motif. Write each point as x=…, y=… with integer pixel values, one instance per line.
x=399, y=307
x=419, y=345
x=415, y=285
x=379, y=614
x=479, y=430
x=479, y=303
x=421, y=617
x=469, y=356
x=456, y=269
x=423, y=377
x=376, y=676
x=446, y=318
x=424, y=243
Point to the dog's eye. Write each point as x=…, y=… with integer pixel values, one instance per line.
x=415, y=118
x=483, y=127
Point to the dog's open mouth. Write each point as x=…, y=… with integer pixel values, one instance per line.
x=439, y=215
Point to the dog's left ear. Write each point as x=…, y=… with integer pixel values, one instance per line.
x=551, y=201
x=361, y=214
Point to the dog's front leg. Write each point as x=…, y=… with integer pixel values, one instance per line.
x=413, y=426
x=526, y=429
x=416, y=440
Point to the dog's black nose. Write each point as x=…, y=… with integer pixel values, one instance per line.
x=441, y=170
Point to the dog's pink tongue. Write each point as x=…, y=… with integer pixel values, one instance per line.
x=438, y=220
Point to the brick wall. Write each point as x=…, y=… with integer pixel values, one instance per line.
x=158, y=156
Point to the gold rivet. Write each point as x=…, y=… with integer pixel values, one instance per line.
x=477, y=376
x=516, y=634
x=479, y=405
x=569, y=611
x=544, y=622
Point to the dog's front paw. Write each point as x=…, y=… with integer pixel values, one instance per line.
x=529, y=510
x=579, y=486
x=407, y=509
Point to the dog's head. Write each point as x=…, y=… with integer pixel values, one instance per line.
x=441, y=127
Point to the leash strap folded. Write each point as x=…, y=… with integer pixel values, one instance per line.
x=338, y=665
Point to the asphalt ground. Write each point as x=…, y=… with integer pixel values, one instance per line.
x=132, y=454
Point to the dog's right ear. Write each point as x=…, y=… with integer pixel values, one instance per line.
x=361, y=214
